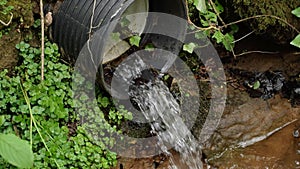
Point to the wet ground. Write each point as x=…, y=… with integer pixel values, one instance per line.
x=280, y=151
x=253, y=133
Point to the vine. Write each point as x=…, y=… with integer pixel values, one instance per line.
x=209, y=15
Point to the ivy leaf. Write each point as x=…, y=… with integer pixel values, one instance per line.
x=211, y=17
x=228, y=41
x=125, y=22
x=16, y=151
x=219, y=7
x=189, y=47
x=115, y=36
x=149, y=47
x=296, y=41
x=296, y=12
x=234, y=28
x=218, y=35
x=256, y=85
x=200, y=35
x=135, y=40
x=200, y=5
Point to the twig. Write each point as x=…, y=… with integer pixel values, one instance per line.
x=243, y=37
x=42, y=40
x=9, y=22
x=255, y=51
x=216, y=11
x=235, y=22
x=261, y=16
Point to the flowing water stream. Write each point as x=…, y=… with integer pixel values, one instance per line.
x=160, y=109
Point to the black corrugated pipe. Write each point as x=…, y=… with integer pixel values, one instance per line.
x=71, y=24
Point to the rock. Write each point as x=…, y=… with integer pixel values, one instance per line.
x=265, y=84
x=248, y=121
x=48, y=19
x=278, y=151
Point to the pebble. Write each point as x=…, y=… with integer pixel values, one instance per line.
x=296, y=134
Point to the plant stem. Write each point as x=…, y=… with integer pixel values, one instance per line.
x=261, y=16
x=34, y=123
x=43, y=39
x=216, y=11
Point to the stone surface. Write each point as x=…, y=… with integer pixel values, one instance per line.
x=251, y=118
x=280, y=151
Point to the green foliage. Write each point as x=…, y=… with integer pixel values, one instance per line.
x=37, y=23
x=189, y=47
x=296, y=12
x=296, y=41
x=22, y=46
x=4, y=31
x=273, y=27
x=65, y=141
x=256, y=85
x=115, y=36
x=5, y=9
x=200, y=5
x=16, y=151
x=227, y=39
x=208, y=18
x=149, y=47
x=135, y=40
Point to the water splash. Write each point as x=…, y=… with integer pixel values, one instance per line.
x=161, y=109
x=136, y=80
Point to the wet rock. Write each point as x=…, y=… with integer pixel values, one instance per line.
x=296, y=133
x=292, y=90
x=156, y=162
x=265, y=84
x=247, y=119
x=278, y=151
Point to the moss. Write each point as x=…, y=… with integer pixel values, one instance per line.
x=278, y=30
x=22, y=12
x=17, y=30
x=8, y=52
